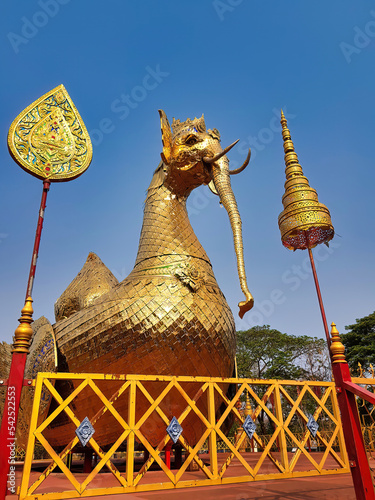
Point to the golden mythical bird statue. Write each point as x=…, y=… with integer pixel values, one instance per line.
x=169, y=316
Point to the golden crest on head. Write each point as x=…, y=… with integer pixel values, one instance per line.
x=49, y=139
x=170, y=134
x=179, y=127
x=166, y=136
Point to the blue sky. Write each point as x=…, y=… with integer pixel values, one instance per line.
x=238, y=62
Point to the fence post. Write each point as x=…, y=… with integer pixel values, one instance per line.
x=131, y=440
x=212, y=436
x=282, y=441
x=31, y=440
x=351, y=425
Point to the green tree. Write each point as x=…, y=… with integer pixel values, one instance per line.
x=266, y=353
x=359, y=342
x=359, y=345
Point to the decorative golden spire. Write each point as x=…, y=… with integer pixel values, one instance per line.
x=24, y=332
x=304, y=222
x=248, y=410
x=337, y=347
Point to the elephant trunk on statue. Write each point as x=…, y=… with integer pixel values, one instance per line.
x=222, y=185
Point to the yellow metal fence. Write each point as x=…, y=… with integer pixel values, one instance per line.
x=282, y=408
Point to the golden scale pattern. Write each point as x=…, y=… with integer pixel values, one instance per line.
x=168, y=316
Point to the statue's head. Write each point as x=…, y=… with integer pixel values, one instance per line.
x=192, y=156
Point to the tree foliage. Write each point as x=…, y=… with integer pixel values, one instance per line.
x=359, y=342
x=266, y=353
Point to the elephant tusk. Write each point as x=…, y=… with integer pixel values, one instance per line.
x=207, y=159
x=246, y=162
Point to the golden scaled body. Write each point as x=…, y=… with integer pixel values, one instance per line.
x=169, y=316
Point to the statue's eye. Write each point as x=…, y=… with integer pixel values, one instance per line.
x=191, y=139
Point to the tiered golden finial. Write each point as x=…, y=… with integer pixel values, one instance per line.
x=337, y=347
x=24, y=332
x=304, y=222
x=248, y=410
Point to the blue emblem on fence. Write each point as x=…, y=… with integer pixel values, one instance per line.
x=249, y=426
x=174, y=429
x=85, y=431
x=312, y=425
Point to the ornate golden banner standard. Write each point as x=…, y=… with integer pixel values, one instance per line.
x=49, y=139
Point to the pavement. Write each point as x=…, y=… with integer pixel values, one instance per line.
x=332, y=487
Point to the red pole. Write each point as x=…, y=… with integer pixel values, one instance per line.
x=12, y=402
x=351, y=426
x=87, y=465
x=355, y=446
x=320, y=300
x=167, y=451
x=30, y=283
x=15, y=381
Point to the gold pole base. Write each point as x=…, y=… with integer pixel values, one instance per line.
x=337, y=347
x=24, y=332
